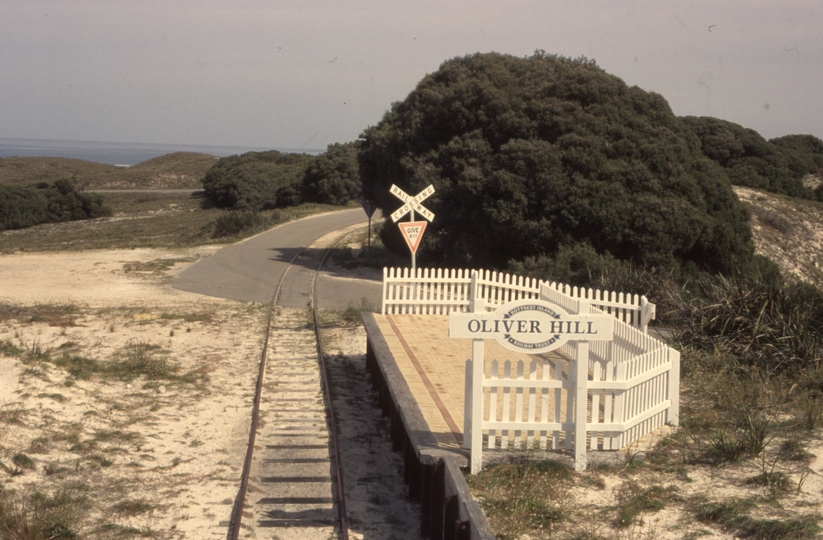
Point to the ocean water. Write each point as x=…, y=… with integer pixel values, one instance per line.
x=114, y=153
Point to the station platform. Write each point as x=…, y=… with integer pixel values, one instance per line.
x=425, y=371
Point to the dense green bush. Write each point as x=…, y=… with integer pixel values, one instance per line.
x=750, y=160
x=22, y=207
x=807, y=147
x=332, y=177
x=528, y=155
x=263, y=180
x=256, y=180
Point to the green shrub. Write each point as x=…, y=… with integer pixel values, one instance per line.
x=808, y=148
x=758, y=318
x=236, y=222
x=528, y=155
x=256, y=180
x=332, y=177
x=750, y=160
x=40, y=516
x=22, y=207
x=143, y=358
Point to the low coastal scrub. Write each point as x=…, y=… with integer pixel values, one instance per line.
x=234, y=223
x=42, y=516
x=22, y=207
x=761, y=321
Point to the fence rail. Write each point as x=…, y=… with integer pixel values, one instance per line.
x=440, y=291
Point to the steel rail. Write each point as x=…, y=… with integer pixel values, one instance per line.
x=338, y=464
x=237, y=513
x=240, y=501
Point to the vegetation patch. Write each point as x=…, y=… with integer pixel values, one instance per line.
x=243, y=221
x=521, y=497
x=732, y=516
x=146, y=359
x=530, y=155
x=22, y=207
x=633, y=499
x=42, y=516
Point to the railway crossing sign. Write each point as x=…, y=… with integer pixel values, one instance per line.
x=412, y=203
x=412, y=233
x=412, y=230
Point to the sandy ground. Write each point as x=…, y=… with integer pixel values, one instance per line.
x=157, y=454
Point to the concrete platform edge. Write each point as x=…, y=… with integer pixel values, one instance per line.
x=433, y=474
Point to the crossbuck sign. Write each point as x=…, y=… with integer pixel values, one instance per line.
x=413, y=230
x=412, y=203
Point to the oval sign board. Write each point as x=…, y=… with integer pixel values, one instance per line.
x=531, y=326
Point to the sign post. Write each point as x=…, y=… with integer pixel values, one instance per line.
x=412, y=228
x=369, y=207
x=529, y=326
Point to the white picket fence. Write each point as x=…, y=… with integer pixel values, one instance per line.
x=439, y=291
x=630, y=385
x=533, y=404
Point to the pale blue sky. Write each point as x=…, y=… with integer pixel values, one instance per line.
x=287, y=74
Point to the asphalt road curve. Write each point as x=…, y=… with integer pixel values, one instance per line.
x=250, y=270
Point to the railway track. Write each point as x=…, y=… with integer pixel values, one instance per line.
x=292, y=479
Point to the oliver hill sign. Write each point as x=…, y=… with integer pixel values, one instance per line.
x=531, y=326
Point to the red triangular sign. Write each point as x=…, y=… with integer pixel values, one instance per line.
x=412, y=232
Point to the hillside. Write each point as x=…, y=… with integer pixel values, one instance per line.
x=787, y=230
x=180, y=170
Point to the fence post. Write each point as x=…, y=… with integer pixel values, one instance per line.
x=473, y=293
x=581, y=395
x=476, y=413
x=467, y=406
x=385, y=285
x=647, y=313
x=673, y=415
x=478, y=351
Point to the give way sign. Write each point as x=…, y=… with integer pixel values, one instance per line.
x=412, y=232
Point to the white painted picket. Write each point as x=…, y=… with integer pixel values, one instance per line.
x=439, y=291
x=632, y=388
x=531, y=406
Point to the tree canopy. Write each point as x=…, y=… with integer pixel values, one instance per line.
x=531, y=154
x=332, y=177
x=778, y=165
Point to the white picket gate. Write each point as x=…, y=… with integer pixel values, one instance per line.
x=629, y=385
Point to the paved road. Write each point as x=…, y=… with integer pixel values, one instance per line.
x=250, y=270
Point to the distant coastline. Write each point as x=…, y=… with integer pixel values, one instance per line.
x=117, y=153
